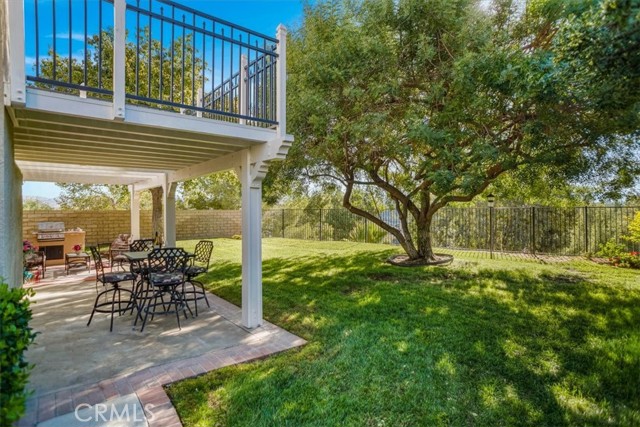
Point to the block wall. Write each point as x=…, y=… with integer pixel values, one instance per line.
x=104, y=226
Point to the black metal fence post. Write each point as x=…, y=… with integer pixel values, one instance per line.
x=586, y=229
x=321, y=224
x=283, y=223
x=533, y=230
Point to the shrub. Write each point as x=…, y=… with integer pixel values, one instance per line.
x=634, y=229
x=618, y=255
x=369, y=233
x=15, y=337
x=611, y=249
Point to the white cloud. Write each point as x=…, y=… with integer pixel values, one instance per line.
x=74, y=36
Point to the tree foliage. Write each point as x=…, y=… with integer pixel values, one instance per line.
x=94, y=197
x=34, y=204
x=432, y=101
x=213, y=191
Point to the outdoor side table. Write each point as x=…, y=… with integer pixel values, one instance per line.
x=74, y=259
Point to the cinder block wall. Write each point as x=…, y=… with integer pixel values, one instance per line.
x=203, y=224
x=104, y=226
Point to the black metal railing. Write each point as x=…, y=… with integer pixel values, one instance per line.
x=176, y=58
x=66, y=50
x=543, y=230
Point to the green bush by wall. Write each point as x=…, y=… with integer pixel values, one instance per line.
x=15, y=337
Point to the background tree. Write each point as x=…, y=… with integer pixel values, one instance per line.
x=431, y=102
x=35, y=204
x=93, y=197
x=213, y=191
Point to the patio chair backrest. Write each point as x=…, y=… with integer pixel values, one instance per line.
x=167, y=260
x=141, y=245
x=203, y=251
x=97, y=259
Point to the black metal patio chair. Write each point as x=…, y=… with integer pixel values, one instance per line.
x=199, y=265
x=114, y=300
x=141, y=245
x=166, y=276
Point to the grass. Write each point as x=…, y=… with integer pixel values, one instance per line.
x=481, y=342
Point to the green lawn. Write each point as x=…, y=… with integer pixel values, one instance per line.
x=481, y=342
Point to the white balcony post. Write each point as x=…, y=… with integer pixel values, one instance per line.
x=244, y=83
x=281, y=81
x=251, y=245
x=135, y=212
x=169, y=212
x=14, y=29
x=119, y=30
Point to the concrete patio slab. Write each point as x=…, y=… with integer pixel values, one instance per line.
x=123, y=411
x=76, y=364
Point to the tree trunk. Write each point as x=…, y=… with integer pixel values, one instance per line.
x=424, y=240
x=156, y=211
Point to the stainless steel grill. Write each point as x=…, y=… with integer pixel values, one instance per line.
x=50, y=231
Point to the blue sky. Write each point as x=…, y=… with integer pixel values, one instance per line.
x=261, y=16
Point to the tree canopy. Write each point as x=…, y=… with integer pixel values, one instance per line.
x=433, y=101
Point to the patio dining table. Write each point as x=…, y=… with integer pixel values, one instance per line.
x=142, y=255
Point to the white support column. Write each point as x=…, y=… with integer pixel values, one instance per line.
x=119, y=29
x=244, y=82
x=135, y=212
x=14, y=30
x=281, y=81
x=169, y=212
x=251, y=244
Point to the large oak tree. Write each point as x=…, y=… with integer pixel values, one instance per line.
x=432, y=101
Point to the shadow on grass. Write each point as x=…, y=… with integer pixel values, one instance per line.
x=429, y=346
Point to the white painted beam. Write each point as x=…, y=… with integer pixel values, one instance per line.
x=68, y=104
x=166, y=119
x=222, y=163
x=119, y=30
x=195, y=129
x=148, y=184
x=53, y=172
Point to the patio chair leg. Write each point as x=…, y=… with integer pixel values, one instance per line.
x=183, y=300
x=94, y=310
x=119, y=300
x=175, y=303
x=113, y=306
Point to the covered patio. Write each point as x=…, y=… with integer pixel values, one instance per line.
x=77, y=366
x=117, y=122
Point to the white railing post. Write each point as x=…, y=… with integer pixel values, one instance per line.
x=119, y=60
x=14, y=29
x=244, y=84
x=281, y=81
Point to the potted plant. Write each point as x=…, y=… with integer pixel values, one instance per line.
x=77, y=248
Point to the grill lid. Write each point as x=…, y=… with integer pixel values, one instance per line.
x=49, y=227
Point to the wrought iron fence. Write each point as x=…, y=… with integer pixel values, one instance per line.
x=176, y=58
x=543, y=230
